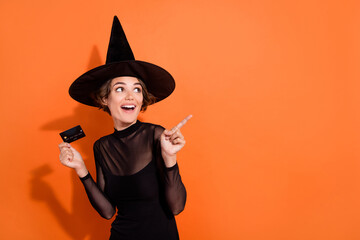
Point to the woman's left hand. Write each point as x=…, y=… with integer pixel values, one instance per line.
x=171, y=143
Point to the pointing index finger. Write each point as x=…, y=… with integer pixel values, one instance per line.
x=183, y=122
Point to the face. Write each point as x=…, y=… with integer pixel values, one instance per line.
x=124, y=101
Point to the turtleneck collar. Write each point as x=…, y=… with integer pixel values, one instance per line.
x=129, y=130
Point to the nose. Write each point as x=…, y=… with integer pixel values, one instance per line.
x=129, y=96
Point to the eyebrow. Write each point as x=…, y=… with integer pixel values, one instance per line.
x=125, y=83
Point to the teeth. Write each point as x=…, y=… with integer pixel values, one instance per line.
x=128, y=106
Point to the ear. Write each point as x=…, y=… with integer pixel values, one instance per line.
x=104, y=101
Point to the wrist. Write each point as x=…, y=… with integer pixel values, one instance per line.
x=169, y=161
x=82, y=171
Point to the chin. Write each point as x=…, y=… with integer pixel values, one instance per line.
x=130, y=121
x=126, y=119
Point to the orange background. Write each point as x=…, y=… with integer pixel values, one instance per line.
x=273, y=148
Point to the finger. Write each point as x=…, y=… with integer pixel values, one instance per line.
x=64, y=145
x=65, y=149
x=66, y=152
x=70, y=157
x=177, y=134
x=66, y=157
x=165, y=134
x=168, y=133
x=182, y=123
x=178, y=141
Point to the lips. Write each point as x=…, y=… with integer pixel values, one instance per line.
x=128, y=107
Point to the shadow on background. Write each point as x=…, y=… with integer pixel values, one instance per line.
x=82, y=221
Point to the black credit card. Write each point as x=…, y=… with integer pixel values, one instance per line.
x=72, y=134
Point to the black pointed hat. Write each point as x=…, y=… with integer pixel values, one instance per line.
x=120, y=61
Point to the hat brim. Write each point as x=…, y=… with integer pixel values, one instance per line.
x=158, y=81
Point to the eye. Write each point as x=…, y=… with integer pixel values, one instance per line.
x=119, y=89
x=137, y=90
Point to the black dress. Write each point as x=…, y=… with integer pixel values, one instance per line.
x=132, y=177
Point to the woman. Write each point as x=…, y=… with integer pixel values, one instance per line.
x=136, y=166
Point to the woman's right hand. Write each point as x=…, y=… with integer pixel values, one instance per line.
x=71, y=158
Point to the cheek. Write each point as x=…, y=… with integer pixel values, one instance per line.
x=140, y=99
x=109, y=101
x=112, y=101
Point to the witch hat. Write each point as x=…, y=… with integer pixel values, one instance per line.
x=120, y=61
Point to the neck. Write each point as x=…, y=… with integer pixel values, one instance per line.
x=119, y=125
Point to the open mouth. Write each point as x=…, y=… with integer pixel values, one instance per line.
x=128, y=107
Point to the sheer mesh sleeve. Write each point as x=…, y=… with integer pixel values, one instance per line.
x=95, y=191
x=175, y=192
